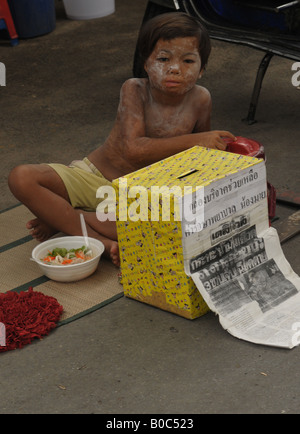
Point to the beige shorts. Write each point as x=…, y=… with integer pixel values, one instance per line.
x=82, y=180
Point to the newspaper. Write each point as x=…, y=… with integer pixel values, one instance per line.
x=236, y=261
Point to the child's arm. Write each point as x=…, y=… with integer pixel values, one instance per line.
x=206, y=137
x=140, y=150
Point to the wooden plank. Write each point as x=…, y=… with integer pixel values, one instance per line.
x=289, y=227
x=288, y=196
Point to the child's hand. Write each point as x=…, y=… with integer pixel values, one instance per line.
x=214, y=139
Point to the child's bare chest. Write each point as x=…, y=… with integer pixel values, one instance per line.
x=169, y=121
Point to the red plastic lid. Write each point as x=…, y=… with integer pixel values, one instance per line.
x=244, y=146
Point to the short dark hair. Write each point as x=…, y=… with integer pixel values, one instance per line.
x=169, y=26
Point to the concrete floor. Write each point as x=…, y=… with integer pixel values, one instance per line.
x=59, y=103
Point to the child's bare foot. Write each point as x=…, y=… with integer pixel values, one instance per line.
x=111, y=250
x=40, y=230
x=114, y=254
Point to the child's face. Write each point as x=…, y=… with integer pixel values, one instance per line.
x=174, y=66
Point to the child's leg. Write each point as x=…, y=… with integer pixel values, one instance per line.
x=108, y=228
x=42, y=191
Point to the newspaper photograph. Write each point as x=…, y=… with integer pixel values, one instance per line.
x=240, y=270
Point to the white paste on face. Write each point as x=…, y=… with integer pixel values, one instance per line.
x=175, y=65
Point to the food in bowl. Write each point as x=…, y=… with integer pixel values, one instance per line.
x=62, y=256
x=72, y=272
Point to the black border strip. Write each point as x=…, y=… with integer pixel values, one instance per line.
x=10, y=208
x=16, y=243
x=33, y=283
x=43, y=279
x=91, y=309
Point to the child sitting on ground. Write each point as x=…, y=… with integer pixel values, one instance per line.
x=157, y=117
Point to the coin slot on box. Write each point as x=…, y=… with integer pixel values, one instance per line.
x=186, y=174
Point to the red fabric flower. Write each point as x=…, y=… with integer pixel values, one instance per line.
x=26, y=316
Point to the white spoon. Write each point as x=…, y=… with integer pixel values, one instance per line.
x=84, y=232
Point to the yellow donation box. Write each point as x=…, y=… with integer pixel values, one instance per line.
x=150, y=230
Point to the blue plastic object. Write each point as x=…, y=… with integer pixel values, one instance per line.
x=33, y=17
x=238, y=13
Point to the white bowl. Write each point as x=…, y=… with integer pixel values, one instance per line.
x=68, y=273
